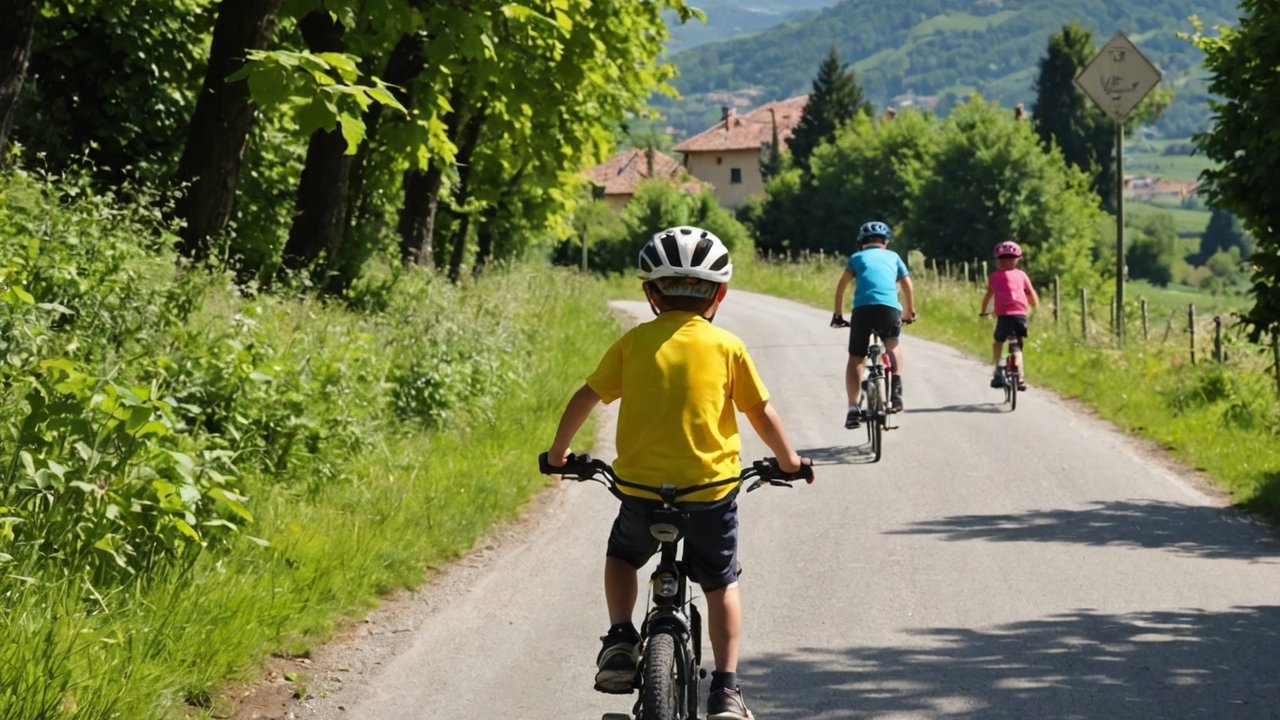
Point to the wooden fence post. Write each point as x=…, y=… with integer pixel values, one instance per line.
x=1275, y=356
x=1084, y=313
x=1217, y=339
x=1191, y=324
x=1057, y=299
x=1144, y=319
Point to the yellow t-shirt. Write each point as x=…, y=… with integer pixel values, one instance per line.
x=676, y=375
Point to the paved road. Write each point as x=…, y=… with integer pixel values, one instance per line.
x=992, y=565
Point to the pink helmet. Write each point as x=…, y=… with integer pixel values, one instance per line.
x=1008, y=247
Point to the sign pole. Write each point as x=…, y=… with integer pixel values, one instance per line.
x=1117, y=79
x=1120, y=264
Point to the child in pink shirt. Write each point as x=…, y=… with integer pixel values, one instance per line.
x=1014, y=296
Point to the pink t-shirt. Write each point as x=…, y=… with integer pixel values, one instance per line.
x=1009, y=288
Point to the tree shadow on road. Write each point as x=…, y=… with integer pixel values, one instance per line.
x=1080, y=665
x=983, y=408
x=841, y=454
x=1190, y=529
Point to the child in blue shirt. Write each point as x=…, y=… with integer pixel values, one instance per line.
x=877, y=273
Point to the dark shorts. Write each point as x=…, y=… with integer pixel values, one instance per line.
x=1008, y=326
x=885, y=320
x=710, y=542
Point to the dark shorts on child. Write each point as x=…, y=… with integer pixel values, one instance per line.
x=710, y=541
x=1008, y=326
x=884, y=319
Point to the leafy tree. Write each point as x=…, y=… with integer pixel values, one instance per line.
x=1223, y=232
x=15, y=49
x=114, y=82
x=991, y=180
x=1242, y=63
x=1153, y=249
x=836, y=98
x=869, y=171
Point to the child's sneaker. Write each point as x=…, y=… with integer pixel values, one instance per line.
x=853, y=419
x=997, y=380
x=616, y=663
x=726, y=704
x=1022, y=385
x=895, y=393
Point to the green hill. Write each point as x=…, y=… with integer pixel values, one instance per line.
x=735, y=18
x=927, y=51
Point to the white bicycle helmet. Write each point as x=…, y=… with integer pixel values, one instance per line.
x=685, y=252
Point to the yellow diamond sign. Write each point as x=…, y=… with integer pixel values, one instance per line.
x=1118, y=77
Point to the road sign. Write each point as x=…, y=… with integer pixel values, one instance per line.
x=1118, y=77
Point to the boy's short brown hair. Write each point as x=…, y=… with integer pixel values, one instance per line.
x=683, y=293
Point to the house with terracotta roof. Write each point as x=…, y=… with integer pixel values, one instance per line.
x=727, y=156
x=619, y=176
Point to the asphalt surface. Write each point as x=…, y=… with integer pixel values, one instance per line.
x=1034, y=564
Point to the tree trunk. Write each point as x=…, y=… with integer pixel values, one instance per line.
x=210, y=165
x=403, y=66
x=15, y=50
x=422, y=197
x=471, y=138
x=484, y=231
x=418, y=214
x=320, y=222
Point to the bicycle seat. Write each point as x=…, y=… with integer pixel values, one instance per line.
x=666, y=525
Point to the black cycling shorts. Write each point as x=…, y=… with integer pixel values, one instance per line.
x=710, y=541
x=1008, y=326
x=884, y=319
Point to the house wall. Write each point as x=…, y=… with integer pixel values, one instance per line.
x=616, y=202
x=715, y=169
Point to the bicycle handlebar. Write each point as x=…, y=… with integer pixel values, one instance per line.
x=584, y=467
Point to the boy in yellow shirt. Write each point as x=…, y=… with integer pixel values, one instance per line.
x=680, y=379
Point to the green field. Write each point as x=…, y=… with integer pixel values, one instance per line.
x=1185, y=221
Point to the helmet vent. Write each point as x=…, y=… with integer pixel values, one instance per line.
x=649, y=256
x=701, y=251
x=720, y=262
x=671, y=249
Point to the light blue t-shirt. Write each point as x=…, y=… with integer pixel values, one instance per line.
x=877, y=272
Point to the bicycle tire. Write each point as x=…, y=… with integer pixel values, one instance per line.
x=875, y=415
x=660, y=695
x=1013, y=392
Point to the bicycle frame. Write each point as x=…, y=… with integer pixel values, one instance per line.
x=1012, y=371
x=672, y=614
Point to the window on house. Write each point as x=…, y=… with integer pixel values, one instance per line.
x=735, y=176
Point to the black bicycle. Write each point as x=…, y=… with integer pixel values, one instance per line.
x=875, y=403
x=671, y=635
x=1013, y=382
x=1013, y=372
x=876, y=407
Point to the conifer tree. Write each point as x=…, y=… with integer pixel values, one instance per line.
x=1062, y=115
x=836, y=99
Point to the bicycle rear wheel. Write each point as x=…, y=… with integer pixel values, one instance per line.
x=661, y=694
x=1012, y=390
x=875, y=417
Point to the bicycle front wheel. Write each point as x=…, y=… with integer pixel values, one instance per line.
x=660, y=697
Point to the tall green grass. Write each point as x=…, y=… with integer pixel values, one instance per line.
x=1222, y=419
x=399, y=505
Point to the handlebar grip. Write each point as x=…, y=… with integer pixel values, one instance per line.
x=574, y=464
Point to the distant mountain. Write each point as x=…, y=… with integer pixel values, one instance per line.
x=936, y=52
x=735, y=18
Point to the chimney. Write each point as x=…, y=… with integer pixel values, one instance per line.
x=1018, y=112
x=726, y=114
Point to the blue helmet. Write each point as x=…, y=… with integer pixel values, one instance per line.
x=872, y=229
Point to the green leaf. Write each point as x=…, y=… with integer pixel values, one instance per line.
x=353, y=131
